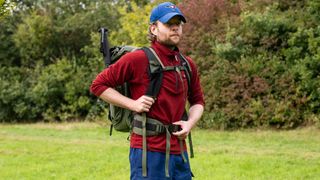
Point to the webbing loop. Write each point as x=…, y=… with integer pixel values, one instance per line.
x=144, y=145
x=181, y=150
x=168, y=136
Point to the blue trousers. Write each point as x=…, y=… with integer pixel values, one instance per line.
x=178, y=170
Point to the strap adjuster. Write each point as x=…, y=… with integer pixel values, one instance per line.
x=174, y=128
x=159, y=128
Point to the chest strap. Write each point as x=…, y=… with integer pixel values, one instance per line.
x=146, y=126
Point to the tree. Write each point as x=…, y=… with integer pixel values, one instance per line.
x=9, y=54
x=134, y=26
x=54, y=29
x=5, y=7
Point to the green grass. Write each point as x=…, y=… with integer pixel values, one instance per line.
x=85, y=151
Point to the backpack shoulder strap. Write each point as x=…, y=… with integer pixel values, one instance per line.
x=155, y=76
x=155, y=72
x=187, y=67
x=188, y=72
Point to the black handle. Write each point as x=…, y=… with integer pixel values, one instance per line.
x=104, y=46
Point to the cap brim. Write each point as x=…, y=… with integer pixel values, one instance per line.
x=167, y=17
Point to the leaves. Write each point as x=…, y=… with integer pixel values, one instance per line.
x=258, y=60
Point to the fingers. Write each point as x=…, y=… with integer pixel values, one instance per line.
x=143, y=104
x=178, y=133
x=146, y=103
x=178, y=123
x=185, y=129
x=181, y=134
x=147, y=100
x=146, y=108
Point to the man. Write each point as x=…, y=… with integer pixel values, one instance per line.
x=165, y=31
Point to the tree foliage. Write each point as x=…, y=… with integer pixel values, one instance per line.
x=3, y=8
x=262, y=71
x=258, y=60
x=134, y=22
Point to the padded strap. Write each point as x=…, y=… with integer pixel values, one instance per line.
x=155, y=72
x=188, y=69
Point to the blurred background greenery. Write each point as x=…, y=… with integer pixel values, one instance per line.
x=259, y=60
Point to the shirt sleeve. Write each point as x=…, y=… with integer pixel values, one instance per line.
x=115, y=75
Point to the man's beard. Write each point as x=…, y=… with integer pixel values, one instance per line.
x=169, y=43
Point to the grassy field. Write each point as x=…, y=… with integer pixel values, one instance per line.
x=85, y=151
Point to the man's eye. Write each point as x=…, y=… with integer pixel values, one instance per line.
x=174, y=23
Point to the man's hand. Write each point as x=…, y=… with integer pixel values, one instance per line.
x=195, y=113
x=143, y=104
x=186, y=128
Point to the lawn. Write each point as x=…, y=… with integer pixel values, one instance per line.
x=86, y=151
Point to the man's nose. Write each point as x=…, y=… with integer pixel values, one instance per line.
x=174, y=27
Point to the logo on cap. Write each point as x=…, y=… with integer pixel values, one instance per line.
x=172, y=6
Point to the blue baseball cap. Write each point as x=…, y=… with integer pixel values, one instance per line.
x=164, y=12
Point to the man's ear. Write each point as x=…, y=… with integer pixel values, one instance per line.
x=153, y=29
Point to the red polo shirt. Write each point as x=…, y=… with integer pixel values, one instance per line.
x=171, y=101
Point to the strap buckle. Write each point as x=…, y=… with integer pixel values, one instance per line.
x=174, y=128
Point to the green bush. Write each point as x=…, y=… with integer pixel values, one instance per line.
x=62, y=90
x=58, y=91
x=264, y=74
x=15, y=104
x=258, y=60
